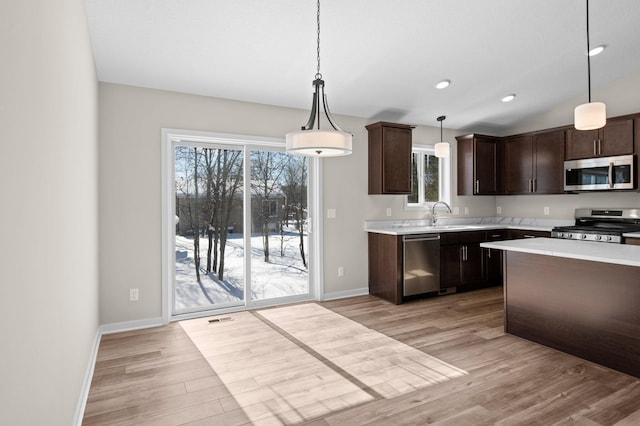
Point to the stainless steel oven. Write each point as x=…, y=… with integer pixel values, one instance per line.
x=597, y=174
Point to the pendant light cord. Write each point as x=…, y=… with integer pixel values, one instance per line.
x=318, y=75
x=588, y=55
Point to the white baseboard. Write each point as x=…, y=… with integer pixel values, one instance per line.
x=131, y=325
x=347, y=293
x=86, y=384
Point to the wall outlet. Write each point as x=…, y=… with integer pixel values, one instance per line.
x=388, y=211
x=340, y=271
x=133, y=294
x=466, y=210
x=499, y=210
x=456, y=211
x=331, y=213
x=546, y=210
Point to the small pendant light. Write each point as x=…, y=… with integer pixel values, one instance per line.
x=315, y=142
x=592, y=115
x=442, y=148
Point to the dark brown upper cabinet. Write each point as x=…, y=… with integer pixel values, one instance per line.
x=534, y=163
x=477, y=165
x=616, y=138
x=389, y=158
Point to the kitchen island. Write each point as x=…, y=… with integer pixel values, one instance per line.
x=579, y=297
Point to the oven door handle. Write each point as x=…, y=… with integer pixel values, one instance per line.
x=611, y=174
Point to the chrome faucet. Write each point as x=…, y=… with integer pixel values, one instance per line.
x=434, y=218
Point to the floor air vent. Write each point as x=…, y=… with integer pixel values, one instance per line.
x=216, y=320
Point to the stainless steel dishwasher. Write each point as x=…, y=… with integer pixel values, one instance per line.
x=421, y=264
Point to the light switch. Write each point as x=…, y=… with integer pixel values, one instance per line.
x=331, y=213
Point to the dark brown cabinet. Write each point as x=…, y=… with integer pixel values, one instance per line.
x=385, y=267
x=518, y=234
x=389, y=158
x=534, y=163
x=616, y=138
x=477, y=165
x=493, y=257
x=461, y=260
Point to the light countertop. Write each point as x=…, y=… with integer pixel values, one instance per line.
x=450, y=224
x=621, y=254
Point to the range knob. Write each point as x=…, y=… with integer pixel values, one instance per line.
x=583, y=236
x=598, y=237
x=609, y=238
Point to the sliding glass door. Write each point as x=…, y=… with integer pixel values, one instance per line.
x=241, y=226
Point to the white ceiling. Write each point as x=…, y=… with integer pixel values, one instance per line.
x=380, y=59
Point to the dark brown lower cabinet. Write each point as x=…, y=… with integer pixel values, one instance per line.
x=385, y=267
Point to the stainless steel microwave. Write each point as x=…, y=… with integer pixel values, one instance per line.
x=598, y=174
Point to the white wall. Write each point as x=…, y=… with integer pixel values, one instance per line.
x=130, y=195
x=48, y=170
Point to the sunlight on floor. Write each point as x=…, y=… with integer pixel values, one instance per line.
x=295, y=363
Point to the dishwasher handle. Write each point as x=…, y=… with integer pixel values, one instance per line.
x=420, y=238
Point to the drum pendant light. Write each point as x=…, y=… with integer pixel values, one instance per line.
x=442, y=148
x=316, y=142
x=592, y=115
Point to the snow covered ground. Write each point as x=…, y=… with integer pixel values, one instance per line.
x=281, y=276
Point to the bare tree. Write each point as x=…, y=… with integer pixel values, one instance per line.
x=295, y=190
x=266, y=169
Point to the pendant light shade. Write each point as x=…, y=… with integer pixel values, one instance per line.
x=442, y=148
x=592, y=115
x=316, y=142
x=319, y=143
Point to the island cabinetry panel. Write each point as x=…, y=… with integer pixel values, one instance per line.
x=389, y=158
x=588, y=309
x=616, y=138
x=385, y=267
x=534, y=163
x=477, y=165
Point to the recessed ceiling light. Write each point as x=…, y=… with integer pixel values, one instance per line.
x=509, y=98
x=596, y=50
x=442, y=84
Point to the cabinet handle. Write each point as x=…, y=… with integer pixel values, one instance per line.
x=489, y=253
x=464, y=251
x=529, y=186
x=595, y=148
x=599, y=147
x=535, y=184
x=477, y=186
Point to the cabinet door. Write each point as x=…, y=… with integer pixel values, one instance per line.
x=549, y=163
x=450, y=266
x=472, y=270
x=493, y=265
x=582, y=144
x=617, y=138
x=396, y=160
x=518, y=165
x=485, y=163
x=466, y=176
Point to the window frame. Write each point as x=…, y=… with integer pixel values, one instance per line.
x=444, y=178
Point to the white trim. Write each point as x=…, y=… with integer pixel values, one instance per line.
x=444, y=179
x=86, y=383
x=316, y=269
x=119, y=327
x=364, y=291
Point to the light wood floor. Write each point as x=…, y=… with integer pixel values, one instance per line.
x=443, y=360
